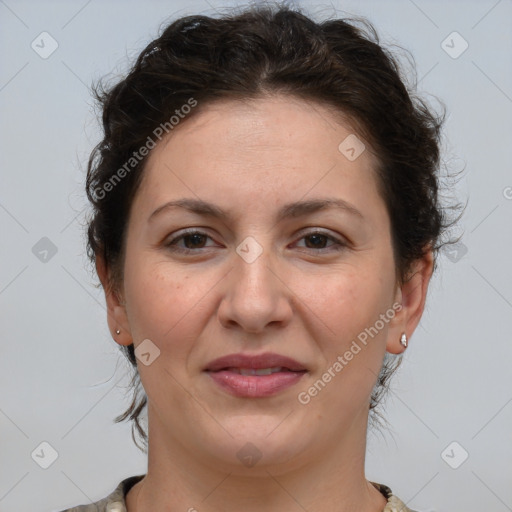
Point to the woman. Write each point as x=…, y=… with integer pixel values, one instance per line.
x=265, y=226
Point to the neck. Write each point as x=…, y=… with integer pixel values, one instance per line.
x=332, y=479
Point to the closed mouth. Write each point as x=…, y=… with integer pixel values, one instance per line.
x=259, y=371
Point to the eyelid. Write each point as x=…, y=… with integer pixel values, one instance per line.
x=312, y=230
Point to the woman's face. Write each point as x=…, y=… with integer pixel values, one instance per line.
x=274, y=275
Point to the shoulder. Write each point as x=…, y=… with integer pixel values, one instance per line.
x=114, y=502
x=394, y=504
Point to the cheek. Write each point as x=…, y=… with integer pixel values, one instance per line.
x=350, y=301
x=163, y=304
x=350, y=305
x=166, y=307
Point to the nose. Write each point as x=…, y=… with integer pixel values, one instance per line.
x=256, y=295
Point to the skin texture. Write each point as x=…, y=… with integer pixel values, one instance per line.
x=295, y=299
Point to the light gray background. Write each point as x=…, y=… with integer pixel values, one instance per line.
x=61, y=375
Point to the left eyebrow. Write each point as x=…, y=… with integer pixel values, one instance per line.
x=289, y=210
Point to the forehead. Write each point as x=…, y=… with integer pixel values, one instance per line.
x=265, y=147
x=275, y=123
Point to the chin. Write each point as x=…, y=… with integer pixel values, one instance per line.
x=264, y=443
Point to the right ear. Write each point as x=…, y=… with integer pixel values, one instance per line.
x=116, y=312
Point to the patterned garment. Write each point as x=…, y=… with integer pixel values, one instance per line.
x=115, y=502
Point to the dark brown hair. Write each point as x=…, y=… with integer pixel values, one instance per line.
x=261, y=51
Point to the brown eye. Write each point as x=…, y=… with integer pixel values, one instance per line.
x=316, y=241
x=195, y=240
x=192, y=240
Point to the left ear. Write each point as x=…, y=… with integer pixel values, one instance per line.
x=412, y=295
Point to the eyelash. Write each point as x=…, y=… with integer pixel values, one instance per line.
x=171, y=244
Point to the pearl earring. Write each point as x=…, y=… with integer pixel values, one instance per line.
x=118, y=331
x=403, y=340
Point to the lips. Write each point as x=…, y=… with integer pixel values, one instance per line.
x=256, y=376
x=241, y=361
